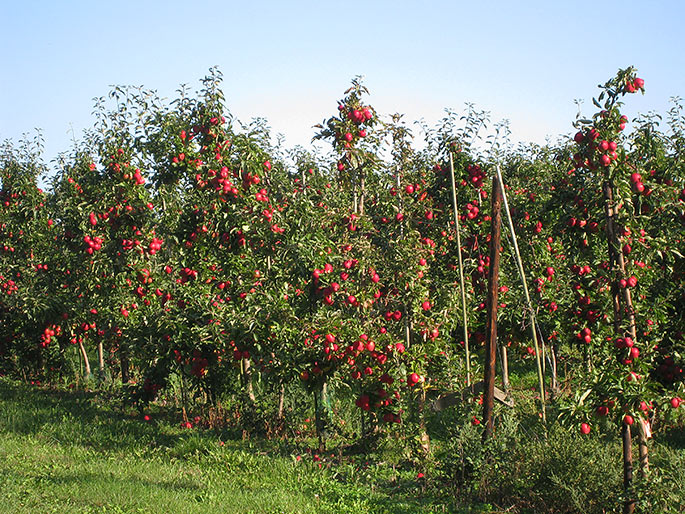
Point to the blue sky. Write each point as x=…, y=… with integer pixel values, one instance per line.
x=291, y=61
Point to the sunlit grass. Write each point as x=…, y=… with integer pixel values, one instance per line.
x=65, y=452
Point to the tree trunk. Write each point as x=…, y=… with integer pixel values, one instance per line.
x=123, y=358
x=555, y=376
x=247, y=374
x=362, y=420
x=629, y=505
x=588, y=360
x=552, y=357
x=491, y=330
x=643, y=436
x=281, y=401
x=318, y=418
x=618, y=264
x=86, y=362
x=184, y=399
x=424, y=438
x=40, y=361
x=101, y=361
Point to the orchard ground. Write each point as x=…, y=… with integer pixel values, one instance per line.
x=63, y=450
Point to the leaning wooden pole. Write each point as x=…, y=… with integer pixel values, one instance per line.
x=491, y=330
x=522, y=273
x=462, y=286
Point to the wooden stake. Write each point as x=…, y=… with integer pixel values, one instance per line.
x=362, y=192
x=462, y=286
x=522, y=274
x=505, y=367
x=491, y=330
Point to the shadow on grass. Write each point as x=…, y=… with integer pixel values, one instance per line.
x=74, y=417
x=71, y=478
x=673, y=437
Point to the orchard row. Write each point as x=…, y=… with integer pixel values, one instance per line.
x=173, y=241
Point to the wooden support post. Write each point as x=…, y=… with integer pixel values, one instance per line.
x=531, y=313
x=629, y=505
x=362, y=191
x=491, y=330
x=462, y=286
x=504, y=360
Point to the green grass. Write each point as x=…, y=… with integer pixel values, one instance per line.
x=70, y=452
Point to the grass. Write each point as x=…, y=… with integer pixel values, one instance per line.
x=64, y=451
x=71, y=451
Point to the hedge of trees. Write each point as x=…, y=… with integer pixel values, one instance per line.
x=175, y=241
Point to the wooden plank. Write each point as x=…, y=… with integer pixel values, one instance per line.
x=466, y=395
